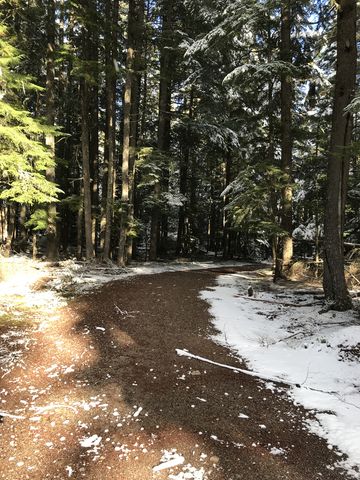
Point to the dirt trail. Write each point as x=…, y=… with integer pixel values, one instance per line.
x=104, y=396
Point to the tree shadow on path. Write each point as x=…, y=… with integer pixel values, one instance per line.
x=198, y=409
x=125, y=402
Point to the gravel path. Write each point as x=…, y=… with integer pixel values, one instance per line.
x=104, y=396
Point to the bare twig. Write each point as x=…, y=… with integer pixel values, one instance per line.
x=352, y=275
x=283, y=304
x=185, y=353
x=288, y=338
x=10, y=415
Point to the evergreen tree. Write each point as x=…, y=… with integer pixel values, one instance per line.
x=339, y=157
x=202, y=128
x=131, y=99
x=24, y=158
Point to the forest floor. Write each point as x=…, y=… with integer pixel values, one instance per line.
x=95, y=388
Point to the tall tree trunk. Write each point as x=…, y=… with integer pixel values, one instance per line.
x=135, y=25
x=65, y=119
x=212, y=219
x=144, y=88
x=339, y=157
x=134, y=123
x=3, y=221
x=271, y=145
x=86, y=127
x=164, y=126
x=226, y=216
x=79, y=225
x=112, y=11
x=94, y=132
x=132, y=158
x=285, y=242
x=34, y=246
x=11, y=213
x=88, y=140
x=22, y=228
x=85, y=148
x=94, y=164
x=125, y=159
x=182, y=241
x=52, y=240
x=184, y=166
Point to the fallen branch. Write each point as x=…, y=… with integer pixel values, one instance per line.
x=169, y=464
x=41, y=410
x=306, y=292
x=272, y=302
x=289, y=337
x=352, y=275
x=185, y=353
x=10, y=415
x=38, y=410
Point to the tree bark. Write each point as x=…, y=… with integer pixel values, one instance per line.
x=339, y=158
x=65, y=117
x=85, y=148
x=132, y=158
x=135, y=24
x=135, y=122
x=164, y=125
x=112, y=11
x=22, y=238
x=144, y=88
x=184, y=166
x=182, y=242
x=125, y=160
x=93, y=48
x=226, y=216
x=52, y=237
x=3, y=221
x=79, y=225
x=285, y=254
x=11, y=213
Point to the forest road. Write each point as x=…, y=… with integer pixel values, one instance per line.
x=104, y=396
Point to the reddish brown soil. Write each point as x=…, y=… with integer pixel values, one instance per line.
x=115, y=350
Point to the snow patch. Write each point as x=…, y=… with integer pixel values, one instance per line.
x=170, y=459
x=277, y=451
x=286, y=339
x=93, y=441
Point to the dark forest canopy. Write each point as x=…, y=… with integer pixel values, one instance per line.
x=149, y=129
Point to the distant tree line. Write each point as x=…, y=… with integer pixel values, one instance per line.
x=166, y=128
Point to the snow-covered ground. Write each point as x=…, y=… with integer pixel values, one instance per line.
x=82, y=277
x=27, y=284
x=283, y=336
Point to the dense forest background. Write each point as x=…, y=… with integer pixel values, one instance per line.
x=163, y=128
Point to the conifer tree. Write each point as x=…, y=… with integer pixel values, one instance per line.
x=339, y=157
x=111, y=39
x=167, y=55
x=131, y=98
x=24, y=159
x=52, y=240
x=285, y=253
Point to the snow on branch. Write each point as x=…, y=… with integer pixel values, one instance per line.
x=277, y=67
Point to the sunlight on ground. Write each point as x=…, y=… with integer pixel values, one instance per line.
x=68, y=424
x=23, y=300
x=63, y=421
